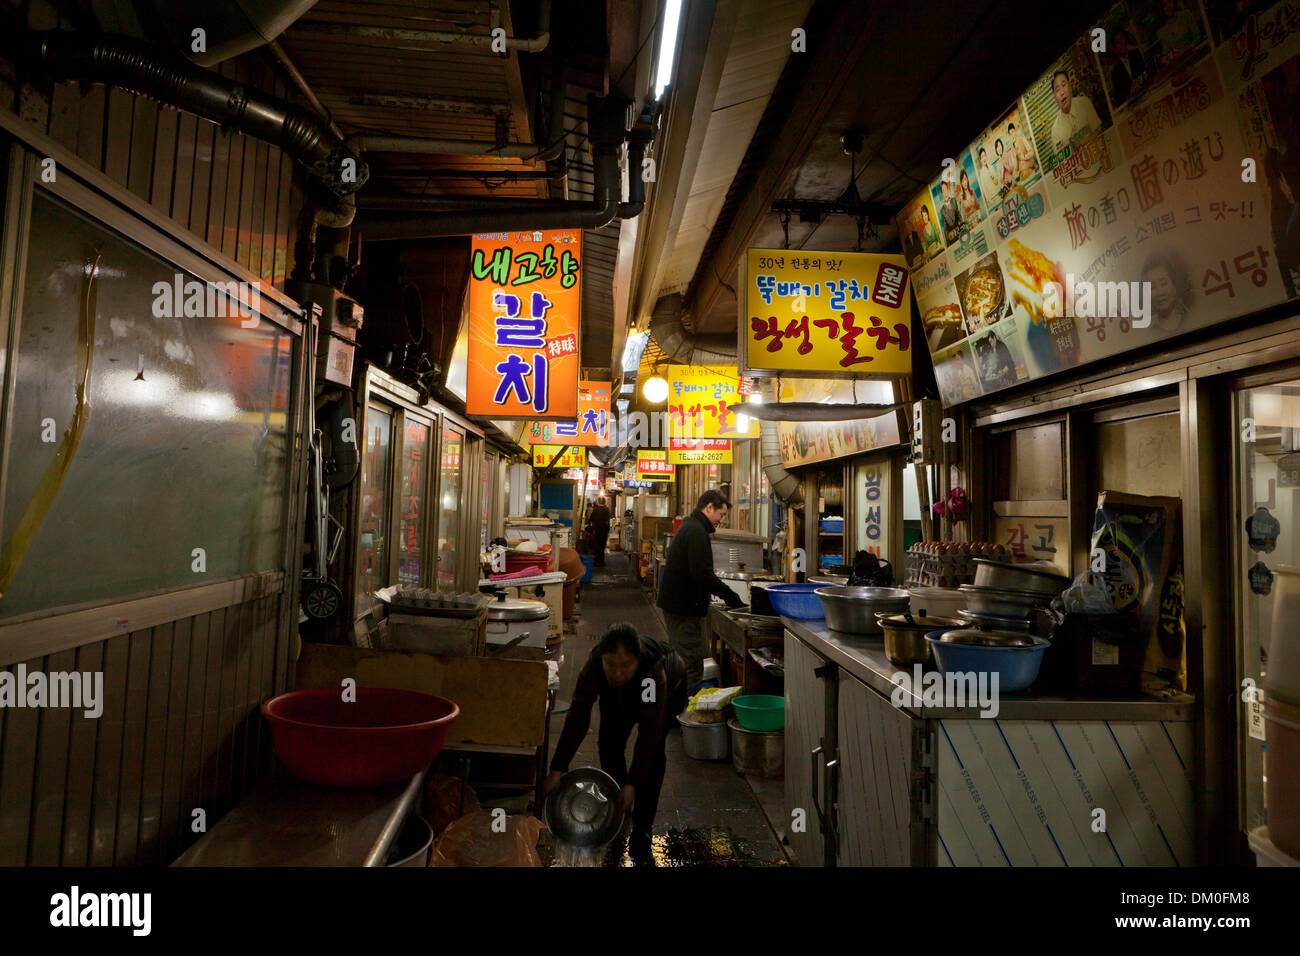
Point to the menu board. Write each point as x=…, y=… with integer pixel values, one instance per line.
x=1145, y=186
x=806, y=442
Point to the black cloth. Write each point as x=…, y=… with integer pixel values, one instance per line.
x=1122, y=76
x=621, y=709
x=689, y=578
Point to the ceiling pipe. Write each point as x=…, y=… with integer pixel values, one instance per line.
x=550, y=150
x=684, y=348
x=608, y=131
x=173, y=81
x=461, y=38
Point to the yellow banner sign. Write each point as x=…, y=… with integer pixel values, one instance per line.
x=699, y=451
x=653, y=466
x=699, y=397
x=544, y=455
x=590, y=428
x=844, y=312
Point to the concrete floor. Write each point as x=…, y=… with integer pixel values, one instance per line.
x=708, y=814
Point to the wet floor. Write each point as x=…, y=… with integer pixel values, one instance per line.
x=708, y=815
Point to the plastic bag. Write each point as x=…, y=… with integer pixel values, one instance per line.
x=1087, y=595
x=447, y=799
x=472, y=841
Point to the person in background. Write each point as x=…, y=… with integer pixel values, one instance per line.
x=689, y=580
x=598, y=520
x=640, y=682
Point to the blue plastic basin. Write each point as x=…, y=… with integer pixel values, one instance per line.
x=1016, y=667
x=797, y=601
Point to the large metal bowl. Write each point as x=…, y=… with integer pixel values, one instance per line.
x=1031, y=578
x=583, y=810
x=905, y=639
x=853, y=610
x=984, y=600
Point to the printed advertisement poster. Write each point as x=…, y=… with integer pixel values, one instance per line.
x=1005, y=160
x=699, y=400
x=918, y=229
x=1150, y=44
x=805, y=442
x=1067, y=112
x=844, y=312
x=524, y=311
x=1252, y=37
x=590, y=429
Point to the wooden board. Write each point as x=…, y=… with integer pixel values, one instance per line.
x=502, y=702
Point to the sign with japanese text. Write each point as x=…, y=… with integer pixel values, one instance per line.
x=524, y=309
x=1132, y=195
x=544, y=455
x=699, y=397
x=806, y=442
x=840, y=312
x=699, y=451
x=590, y=429
x=652, y=465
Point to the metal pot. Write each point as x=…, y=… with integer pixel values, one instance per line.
x=757, y=752
x=703, y=741
x=853, y=610
x=517, y=621
x=905, y=636
x=740, y=581
x=983, y=600
x=1019, y=577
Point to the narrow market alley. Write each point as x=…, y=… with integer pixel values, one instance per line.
x=708, y=814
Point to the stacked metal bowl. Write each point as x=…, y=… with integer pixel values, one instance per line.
x=1012, y=597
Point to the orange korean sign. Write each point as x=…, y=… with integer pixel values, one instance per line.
x=842, y=312
x=590, y=429
x=653, y=466
x=700, y=399
x=524, y=305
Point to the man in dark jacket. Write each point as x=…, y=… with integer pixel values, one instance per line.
x=640, y=682
x=689, y=580
x=598, y=521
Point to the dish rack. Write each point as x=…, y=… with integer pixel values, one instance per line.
x=948, y=564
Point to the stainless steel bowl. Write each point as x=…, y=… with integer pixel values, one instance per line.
x=983, y=600
x=1035, y=579
x=583, y=810
x=905, y=641
x=1020, y=623
x=853, y=610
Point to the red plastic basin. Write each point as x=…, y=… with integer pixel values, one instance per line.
x=384, y=736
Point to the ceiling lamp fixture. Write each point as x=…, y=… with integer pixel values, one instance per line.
x=655, y=389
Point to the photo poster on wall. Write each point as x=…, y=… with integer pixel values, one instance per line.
x=1146, y=185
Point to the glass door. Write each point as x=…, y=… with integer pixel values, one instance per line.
x=373, y=520
x=449, y=503
x=1267, y=531
x=414, y=480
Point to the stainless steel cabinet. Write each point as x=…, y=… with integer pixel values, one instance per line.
x=808, y=682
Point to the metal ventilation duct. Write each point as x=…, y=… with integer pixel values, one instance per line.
x=230, y=27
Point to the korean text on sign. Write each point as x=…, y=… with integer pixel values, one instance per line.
x=524, y=301
x=850, y=315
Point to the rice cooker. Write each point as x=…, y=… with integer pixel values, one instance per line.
x=517, y=622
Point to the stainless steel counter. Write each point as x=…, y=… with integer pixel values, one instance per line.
x=864, y=658
x=288, y=822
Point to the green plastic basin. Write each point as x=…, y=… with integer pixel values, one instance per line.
x=764, y=712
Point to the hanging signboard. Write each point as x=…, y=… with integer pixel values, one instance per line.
x=543, y=456
x=699, y=451
x=846, y=313
x=806, y=442
x=873, y=506
x=524, y=309
x=590, y=429
x=1126, y=199
x=698, y=400
x=653, y=465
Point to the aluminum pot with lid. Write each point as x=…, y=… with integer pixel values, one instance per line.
x=517, y=609
x=740, y=581
x=982, y=638
x=853, y=610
